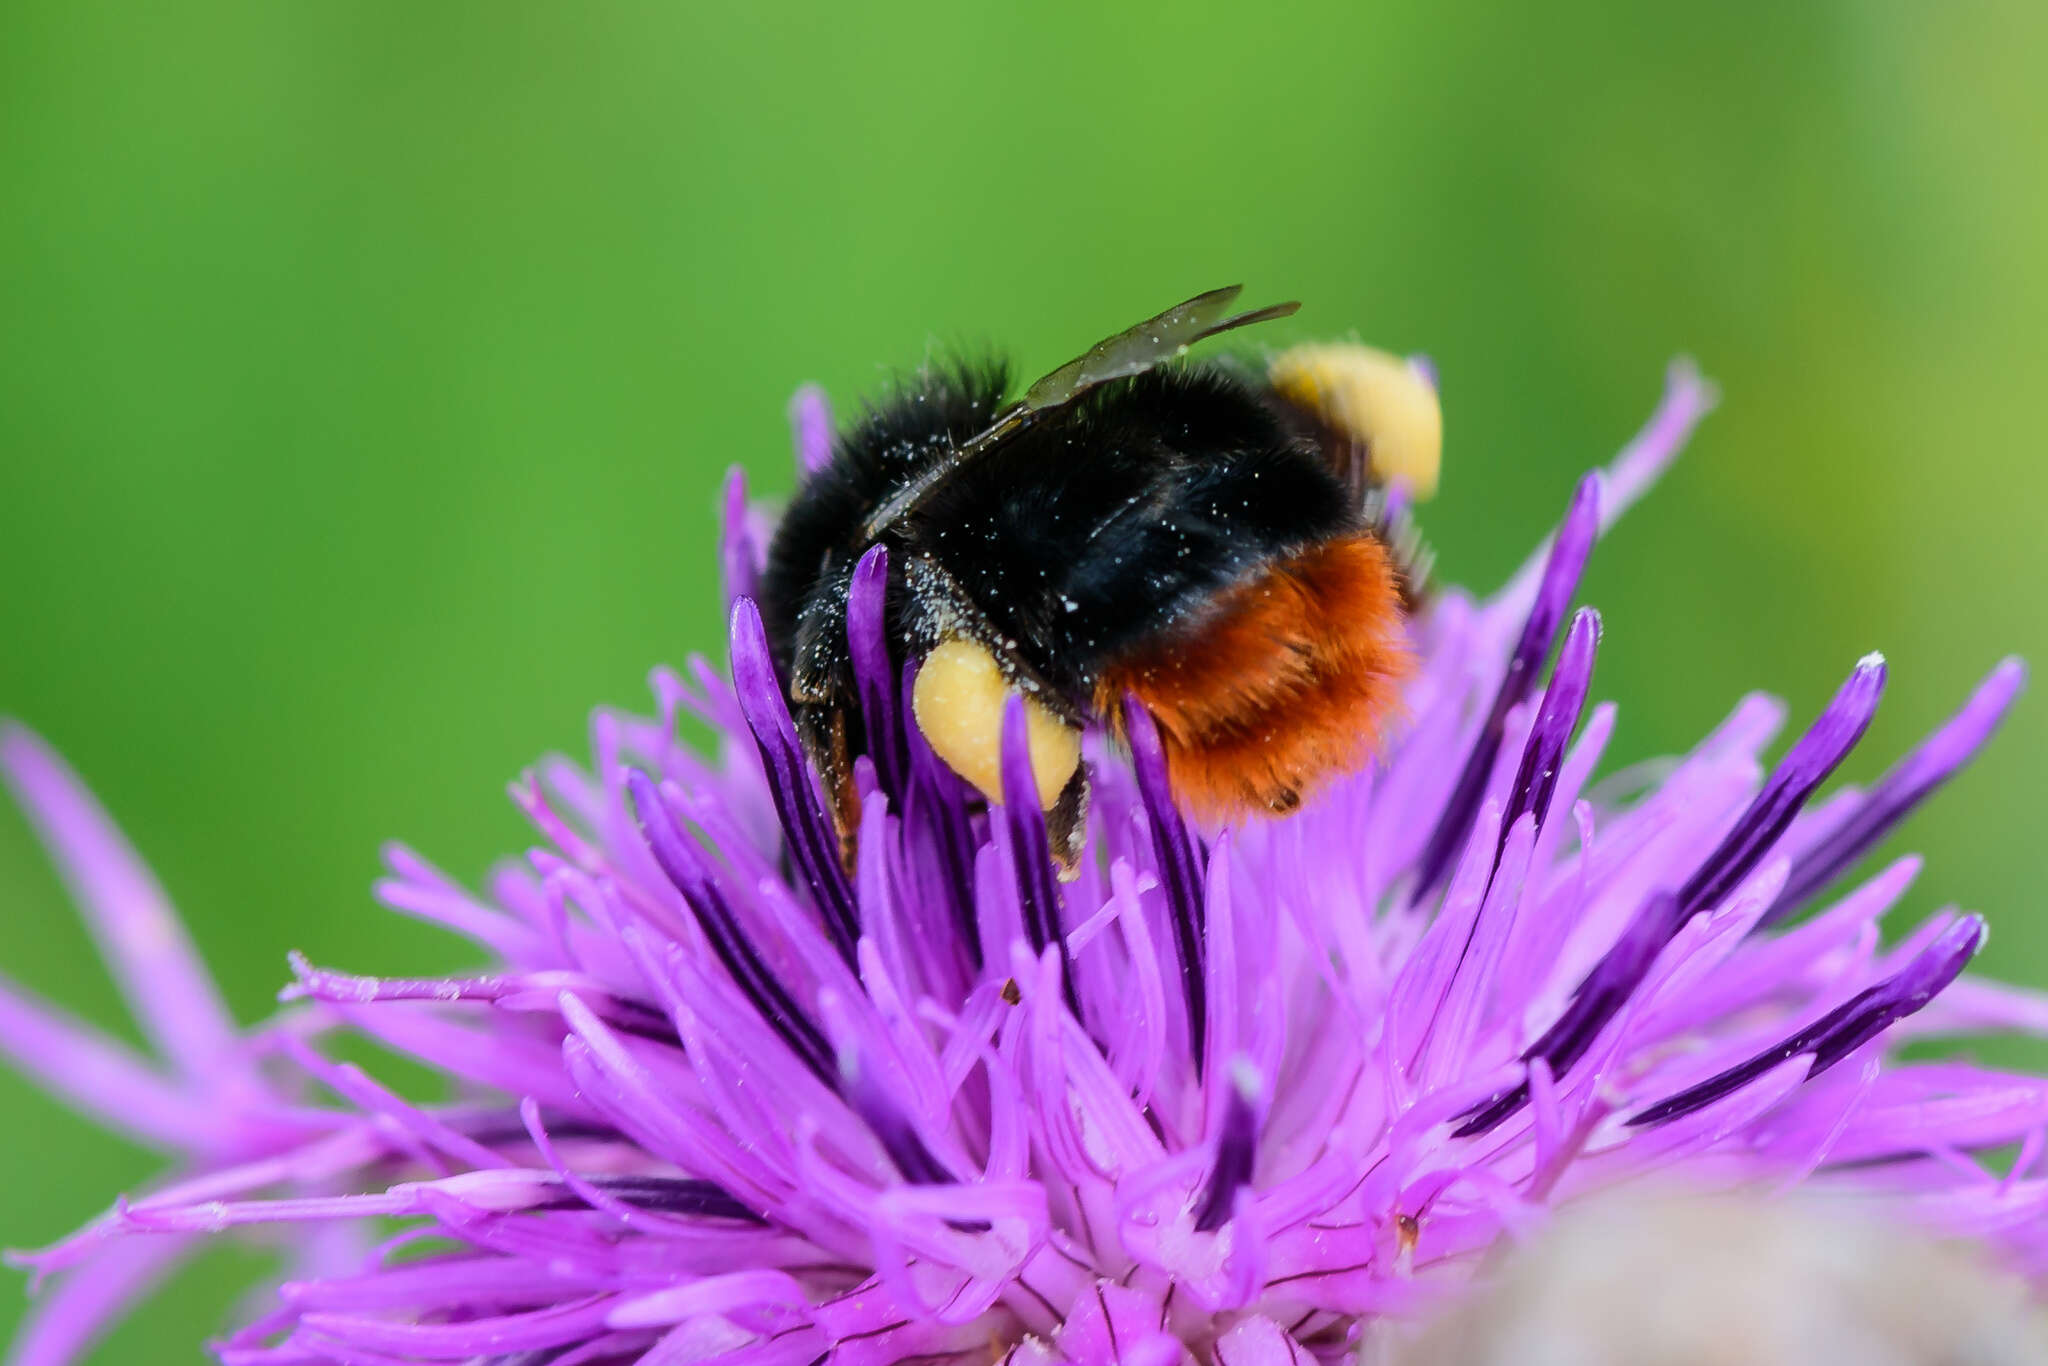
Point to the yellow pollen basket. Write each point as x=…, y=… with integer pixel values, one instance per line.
x=1382, y=401
x=958, y=701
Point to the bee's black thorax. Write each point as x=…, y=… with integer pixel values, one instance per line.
x=1080, y=539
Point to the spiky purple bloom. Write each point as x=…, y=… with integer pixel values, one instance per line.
x=1236, y=1095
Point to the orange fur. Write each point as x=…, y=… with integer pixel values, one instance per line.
x=1281, y=683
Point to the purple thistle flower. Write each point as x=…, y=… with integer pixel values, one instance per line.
x=1239, y=1095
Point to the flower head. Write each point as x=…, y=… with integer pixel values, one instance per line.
x=1236, y=1095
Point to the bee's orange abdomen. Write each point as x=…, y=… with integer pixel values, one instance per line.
x=1278, y=684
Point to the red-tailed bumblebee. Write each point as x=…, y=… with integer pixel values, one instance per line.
x=1214, y=537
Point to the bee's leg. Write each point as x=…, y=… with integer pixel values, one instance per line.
x=1066, y=824
x=822, y=730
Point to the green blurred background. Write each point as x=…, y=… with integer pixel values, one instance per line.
x=366, y=372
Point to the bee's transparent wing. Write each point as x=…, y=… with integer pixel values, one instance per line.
x=1152, y=343
x=1137, y=349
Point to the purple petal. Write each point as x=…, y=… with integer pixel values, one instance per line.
x=1833, y=734
x=810, y=429
x=1599, y=998
x=739, y=557
x=867, y=639
x=1845, y=1028
x=937, y=825
x=1569, y=551
x=94, y=1299
x=678, y=858
x=98, y=1077
x=1236, y=1150
x=475, y=1282
x=1173, y=853
x=1803, y=769
x=1564, y=703
x=554, y=1326
x=139, y=935
x=1687, y=398
x=1899, y=793
x=419, y=889
x=899, y=1138
x=1030, y=848
x=713, y=1295
x=805, y=827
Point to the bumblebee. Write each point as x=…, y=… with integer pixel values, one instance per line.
x=1220, y=539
